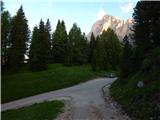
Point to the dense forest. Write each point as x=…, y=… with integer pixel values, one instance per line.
x=44, y=47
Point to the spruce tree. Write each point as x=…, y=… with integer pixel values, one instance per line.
x=59, y=42
x=78, y=42
x=101, y=51
x=94, y=60
x=34, y=50
x=39, y=48
x=91, y=46
x=126, y=59
x=5, y=37
x=19, y=37
x=96, y=57
x=146, y=29
x=84, y=49
x=48, y=47
x=107, y=51
x=113, y=49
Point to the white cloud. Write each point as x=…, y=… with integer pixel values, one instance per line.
x=100, y=13
x=126, y=8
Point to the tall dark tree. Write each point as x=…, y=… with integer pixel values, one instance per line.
x=94, y=60
x=99, y=54
x=19, y=37
x=107, y=51
x=146, y=17
x=48, y=32
x=59, y=42
x=146, y=29
x=92, y=46
x=39, y=49
x=126, y=59
x=2, y=5
x=113, y=48
x=5, y=38
x=34, y=52
x=84, y=49
x=78, y=46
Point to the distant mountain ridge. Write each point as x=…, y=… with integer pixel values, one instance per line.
x=121, y=27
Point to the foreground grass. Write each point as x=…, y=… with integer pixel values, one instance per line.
x=41, y=111
x=139, y=103
x=25, y=83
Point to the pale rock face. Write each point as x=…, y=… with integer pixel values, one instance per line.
x=121, y=27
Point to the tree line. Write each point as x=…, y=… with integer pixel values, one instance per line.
x=44, y=47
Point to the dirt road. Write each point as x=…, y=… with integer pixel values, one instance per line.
x=83, y=102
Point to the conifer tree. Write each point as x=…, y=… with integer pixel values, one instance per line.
x=84, y=49
x=19, y=37
x=5, y=37
x=146, y=29
x=126, y=59
x=48, y=32
x=91, y=46
x=59, y=42
x=107, y=51
x=34, y=50
x=78, y=46
x=113, y=49
x=39, y=49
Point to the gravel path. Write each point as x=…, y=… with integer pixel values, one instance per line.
x=82, y=102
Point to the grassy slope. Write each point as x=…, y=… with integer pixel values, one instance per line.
x=141, y=103
x=26, y=83
x=41, y=111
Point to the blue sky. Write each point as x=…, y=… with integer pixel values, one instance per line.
x=83, y=12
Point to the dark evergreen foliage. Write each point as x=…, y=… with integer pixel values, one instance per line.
x=107, y=50
x=19, y=36
x=77, y=47
x=5, y=36
x=126, y=59
x=146, y=28
x=60, y=40
x=92, y=46
x=48, y=32
x=40, y=48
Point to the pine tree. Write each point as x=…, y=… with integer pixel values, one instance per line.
x=78, y=46
x=113, y=49
x=107, y=51
x=97, y=60
x=94, y=61
x=91, y=46
x=39, y=49
x=83, y=49
x=59, y=42
x=34, y=50
x=2, y=6
x=48, y=32
x=126, y=59
x=146, y=29
x=5, y=38
x=19, y=37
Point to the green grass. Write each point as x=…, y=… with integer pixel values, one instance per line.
x=40, y=111
x=139, y=103
x=25, y=83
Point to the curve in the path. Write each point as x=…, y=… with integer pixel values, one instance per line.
x=86, y=101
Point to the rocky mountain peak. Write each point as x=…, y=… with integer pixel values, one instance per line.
x=121, y=27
